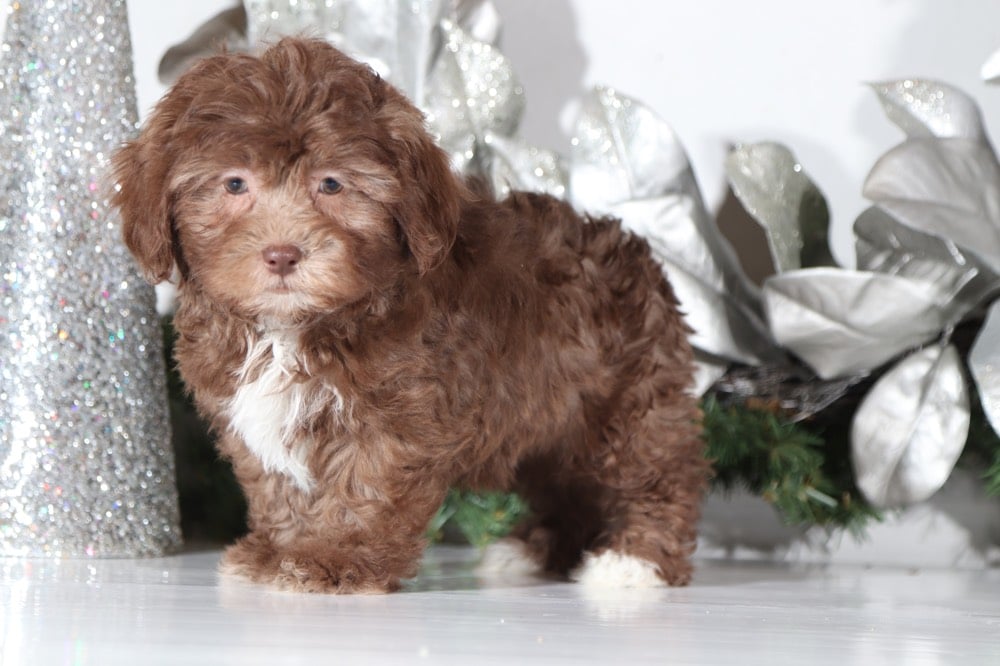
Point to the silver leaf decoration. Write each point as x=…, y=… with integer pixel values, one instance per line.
x=622, y=150
x=721, y=323
x=628, y=162
x=513, y=164
x=472, y=91
x=984, y=364
x=910, y=428
x=707, y=371
x=943, y=187
x=843, y=322
x=884, y=245
x=773, y=188
x=990, y=71
x=923, y=108
x=480, y=19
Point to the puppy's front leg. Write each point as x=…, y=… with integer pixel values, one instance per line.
x=317, y=565
x=355, y=535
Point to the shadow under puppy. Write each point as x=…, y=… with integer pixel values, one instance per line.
x=364, y=330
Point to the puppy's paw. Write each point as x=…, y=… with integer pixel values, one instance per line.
x=508, y=557
x=251, y=558
x=611, y=569
x=255, y=559
x=330, y=575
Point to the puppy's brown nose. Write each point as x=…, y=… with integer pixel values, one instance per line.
x=282, y=259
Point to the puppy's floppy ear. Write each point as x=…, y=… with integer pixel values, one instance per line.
x=141, y=171
x=145, y=220
x=431, y=194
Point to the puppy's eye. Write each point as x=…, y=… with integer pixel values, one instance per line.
x=330, y=185
x=235, y=185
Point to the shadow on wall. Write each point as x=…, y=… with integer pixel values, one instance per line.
x=547, y=56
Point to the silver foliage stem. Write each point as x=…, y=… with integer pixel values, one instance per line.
x=86, y=466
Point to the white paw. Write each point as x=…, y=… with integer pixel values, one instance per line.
x=509, y=557
x=616, y=570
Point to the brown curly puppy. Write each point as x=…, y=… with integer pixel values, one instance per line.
x=365, y=331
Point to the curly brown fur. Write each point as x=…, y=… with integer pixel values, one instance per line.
x=365, y=331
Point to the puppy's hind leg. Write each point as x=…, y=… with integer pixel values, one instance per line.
x=653, y=473
x=564, y=520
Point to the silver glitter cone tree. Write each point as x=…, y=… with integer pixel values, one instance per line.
x=86, y=466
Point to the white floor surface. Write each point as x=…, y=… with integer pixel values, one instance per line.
x=175, y=610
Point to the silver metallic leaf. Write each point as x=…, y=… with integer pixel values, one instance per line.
x=621, y=151
x=471, y=91
x=984, y=364
x=948, y=188
x=910, y=429
x=990, y=71
x=773, y=188
x=884, y=245
x=479, y=19
x=843, y=322
x=723, y=325
x=628, y=162
x=707, y=371
x=923, y=108
x=513, y=164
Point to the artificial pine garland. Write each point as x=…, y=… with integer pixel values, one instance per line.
x=477, y=518
x=806, y=478
x=982, y=451
x=992, y=474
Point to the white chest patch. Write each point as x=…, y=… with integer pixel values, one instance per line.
x=269, y=412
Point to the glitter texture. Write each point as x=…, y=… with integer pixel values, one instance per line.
x=513, y=164
x=923, y=108
x=472, y=93
x=773, y=187
x=86, y=467
x=477, y=84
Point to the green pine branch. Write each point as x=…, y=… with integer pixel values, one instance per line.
x=804, y=476
x=478, y=518
x=982, y=449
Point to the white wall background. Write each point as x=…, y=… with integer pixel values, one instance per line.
x=720, y=72
x=723, y=72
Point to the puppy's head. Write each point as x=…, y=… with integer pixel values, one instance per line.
x=291, y=183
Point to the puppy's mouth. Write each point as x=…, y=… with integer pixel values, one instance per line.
x=282, y=284
x=281, y=295
x=281, y=287
x=282, y=298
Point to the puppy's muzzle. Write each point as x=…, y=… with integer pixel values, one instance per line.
x=282, y=259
